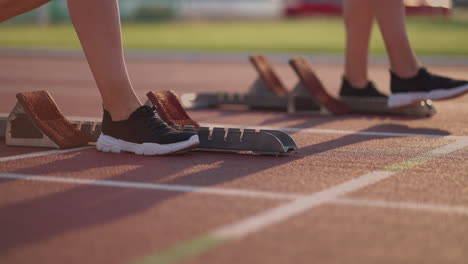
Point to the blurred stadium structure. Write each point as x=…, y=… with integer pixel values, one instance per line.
x=334, y=7
x=161, y=10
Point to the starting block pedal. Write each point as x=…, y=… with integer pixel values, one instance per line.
x=308, y=81
x=170, y=109
x=264, y=142
x=36, y=121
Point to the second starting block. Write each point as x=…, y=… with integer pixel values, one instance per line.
x=308, y=96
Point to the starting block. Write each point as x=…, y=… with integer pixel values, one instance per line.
x=308, y=96
x=36, y=121
x=266, y=92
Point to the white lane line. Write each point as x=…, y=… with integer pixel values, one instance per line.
x=452, y=147
x=281, y=213
x=241, y=193
x=42, y=153
x=273, y=216
x=433, y=208
x=335, y=131
x=154, y=186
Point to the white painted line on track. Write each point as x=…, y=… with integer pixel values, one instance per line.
x=241, y=193
x=283, y=212
x=452, y=147
x=433, y=208
x=273, y=216
x=154, y=186
x=42, y=153
x=335, y=131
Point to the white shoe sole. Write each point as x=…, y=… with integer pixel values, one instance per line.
x=401, y=100
x=110, y=144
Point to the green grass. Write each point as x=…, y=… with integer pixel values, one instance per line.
x=436, y=36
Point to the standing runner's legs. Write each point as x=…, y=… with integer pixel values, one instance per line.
x=391, y=18
x=358, y=17
x=97, y=24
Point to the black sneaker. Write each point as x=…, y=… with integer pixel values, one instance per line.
x=347, y=90
x=424, y=86
x=143, y=134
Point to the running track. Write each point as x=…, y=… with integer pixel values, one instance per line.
x=362, y=189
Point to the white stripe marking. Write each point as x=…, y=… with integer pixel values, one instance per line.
x=434, y=208
x=42, y=153
x=452, y=147
x=334, y=131
x=241, y=193
x=153, y=186
x=281, y=213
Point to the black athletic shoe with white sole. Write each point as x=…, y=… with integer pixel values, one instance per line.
x=424, y=86
x=144, y=134
x=347, y=90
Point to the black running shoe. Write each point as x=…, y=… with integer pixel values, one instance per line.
x=424, y=86
x=144, y=134
x=347, y=90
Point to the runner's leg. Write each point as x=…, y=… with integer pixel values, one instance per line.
x=97, y=24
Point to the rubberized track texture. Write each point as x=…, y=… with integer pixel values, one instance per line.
x=362, y=189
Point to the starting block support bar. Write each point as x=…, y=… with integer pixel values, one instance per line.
x=263, y=142
x=371, y=105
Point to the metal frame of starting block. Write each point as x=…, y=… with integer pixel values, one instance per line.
x=21, y=131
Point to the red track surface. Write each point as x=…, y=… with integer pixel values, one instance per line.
x=52, y=222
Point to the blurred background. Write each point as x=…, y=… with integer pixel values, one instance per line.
x=437, y=27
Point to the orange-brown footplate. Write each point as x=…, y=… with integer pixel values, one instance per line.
x=268, y=75
x=44, y=113
x=170, y=108
x=315, y=86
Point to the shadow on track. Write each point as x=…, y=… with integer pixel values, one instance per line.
x=86, y=206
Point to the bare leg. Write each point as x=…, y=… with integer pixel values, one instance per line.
x=12, y=8
x=97, y=24
x=358, y=16
x=390, y=15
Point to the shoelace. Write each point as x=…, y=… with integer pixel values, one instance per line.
x=151, y=121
